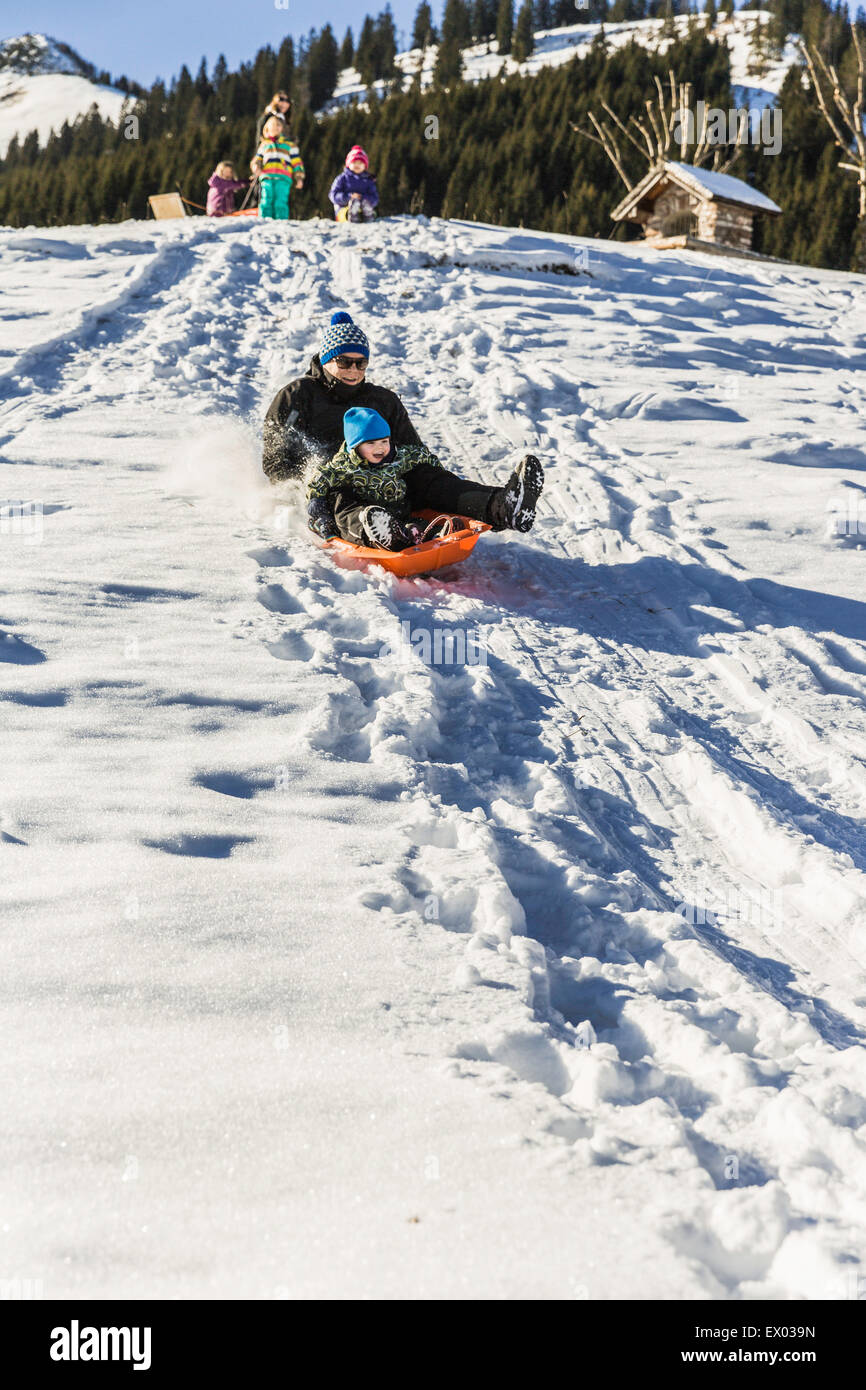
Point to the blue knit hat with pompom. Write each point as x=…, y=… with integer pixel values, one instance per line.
x=343, y=336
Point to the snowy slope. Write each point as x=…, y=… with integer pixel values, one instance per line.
x=43, y=84
x=554, y=46
x=332, y=971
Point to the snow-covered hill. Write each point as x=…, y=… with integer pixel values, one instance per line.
x=755, y=84
x=44, y=83
x=329, y=971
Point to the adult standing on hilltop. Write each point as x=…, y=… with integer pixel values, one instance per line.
x=279, y=105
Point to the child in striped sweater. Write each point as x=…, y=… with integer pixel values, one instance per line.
x=278, y=162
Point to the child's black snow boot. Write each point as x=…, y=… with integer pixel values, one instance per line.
x=513, y=506
x=384, y=529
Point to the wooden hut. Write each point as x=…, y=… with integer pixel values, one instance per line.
x=679, y=205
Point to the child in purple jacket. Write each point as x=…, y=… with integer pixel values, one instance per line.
x=354, y=192
x=222, y=187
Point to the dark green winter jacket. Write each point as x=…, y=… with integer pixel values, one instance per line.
x=347, y=472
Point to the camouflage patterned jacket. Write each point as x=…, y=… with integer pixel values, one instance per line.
x=347, y=473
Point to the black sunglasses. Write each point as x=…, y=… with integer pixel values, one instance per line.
x=344, y=363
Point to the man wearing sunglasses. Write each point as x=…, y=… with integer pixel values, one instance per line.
x=279, y=105
x=305, y=421
x=304, y=428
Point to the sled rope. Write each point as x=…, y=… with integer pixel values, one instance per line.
x=447, y=531
x=249, y=192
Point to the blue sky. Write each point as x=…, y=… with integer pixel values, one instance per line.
x=152, y=39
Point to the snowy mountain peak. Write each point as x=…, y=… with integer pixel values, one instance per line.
x=43, y=83
x=37, y=54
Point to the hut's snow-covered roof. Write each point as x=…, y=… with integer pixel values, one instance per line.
x=704, y=182
x=724, y=186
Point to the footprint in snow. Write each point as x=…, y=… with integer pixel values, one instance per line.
x=277, y=599
x=232, y=783
x=200, y=846
x=15, y=649
x=43, y=699
x=292, y=646
x=269, y=556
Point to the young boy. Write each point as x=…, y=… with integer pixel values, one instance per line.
x=369, y=491
x=279, y=163
x=354, y=193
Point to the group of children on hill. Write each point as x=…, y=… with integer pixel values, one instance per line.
x=278, y=168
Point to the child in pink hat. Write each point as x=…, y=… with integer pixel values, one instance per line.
x=354, y=193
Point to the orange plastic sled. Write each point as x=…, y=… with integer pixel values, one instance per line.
x=416, y=559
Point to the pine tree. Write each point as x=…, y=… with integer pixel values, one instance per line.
x=386, y=44
x=505, y=25
x=347, y=50
x=455, y=35
x=457, y=23
x=263, y=76
x=284, y=70
x=448, y=68
x=365, y=54
x=524, y=37
x=780, y=25
x=759, y=49
x=220, y=73
x=423, y=30
x=484, y=19
x=301, y=83
x=202, y=85
x=322, y=68
x=181, y=91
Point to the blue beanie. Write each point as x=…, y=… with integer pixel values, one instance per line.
x=361, y=424
x=343, y=336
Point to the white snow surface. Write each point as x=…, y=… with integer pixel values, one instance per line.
x=43, y=101
x=41, y=86
x=755, y=84
x=329, y=970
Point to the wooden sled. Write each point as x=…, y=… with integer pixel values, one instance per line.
x=430, y=555
x=165, y=205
